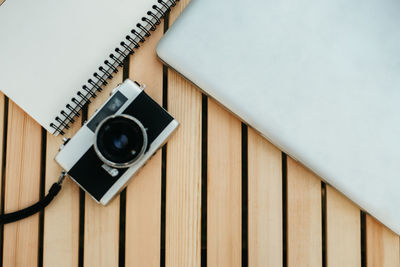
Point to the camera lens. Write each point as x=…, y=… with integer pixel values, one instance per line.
x=120, y=140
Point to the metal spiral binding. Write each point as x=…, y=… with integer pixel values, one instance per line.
x=116, y=59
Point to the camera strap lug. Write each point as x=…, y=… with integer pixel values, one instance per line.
x=61, y=177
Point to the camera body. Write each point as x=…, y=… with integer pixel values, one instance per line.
x=116, y=142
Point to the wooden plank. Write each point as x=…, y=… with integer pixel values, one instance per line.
x=264, y=202
x=143, y=197
x=22, y=187
x=224, y=218
x=343, y=230
x=382, y=245
x=102, y=223
x=61, y=220
x=304, y=231
x=183, y=195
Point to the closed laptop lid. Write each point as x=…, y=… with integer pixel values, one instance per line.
x=319, y=79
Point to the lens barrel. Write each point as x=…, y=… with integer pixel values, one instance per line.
x=120, y=140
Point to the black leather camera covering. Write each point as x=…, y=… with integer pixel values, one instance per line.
x=88, y=171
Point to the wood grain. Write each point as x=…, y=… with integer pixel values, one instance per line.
x=183, y=196
x=143, y=199
x=264, y=202
x=382, y=245
x=22, y=184
x=61, y=220
x=343, y=230
x=304, y=231
x=102, y=223
x=224, y=218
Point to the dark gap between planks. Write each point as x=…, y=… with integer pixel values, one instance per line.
x=245, y=240
x=42, y=194
x=164, y=159
x=81, y=249
x=284, y=210
x=122, y=199
x=204, y=143
x=122, y=228
x=3, y=174
x=363, y=239
x=323, y=223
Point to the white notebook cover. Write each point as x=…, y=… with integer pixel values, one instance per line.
x=49, y=49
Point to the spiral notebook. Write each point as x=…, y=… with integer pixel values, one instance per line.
x=56, y=55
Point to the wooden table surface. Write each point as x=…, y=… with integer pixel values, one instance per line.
x=217, y=195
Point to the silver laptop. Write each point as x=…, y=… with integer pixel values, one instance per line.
x=319, y=79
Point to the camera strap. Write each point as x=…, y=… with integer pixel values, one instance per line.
x=38, y=206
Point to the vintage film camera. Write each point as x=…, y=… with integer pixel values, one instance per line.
x=116, y=142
